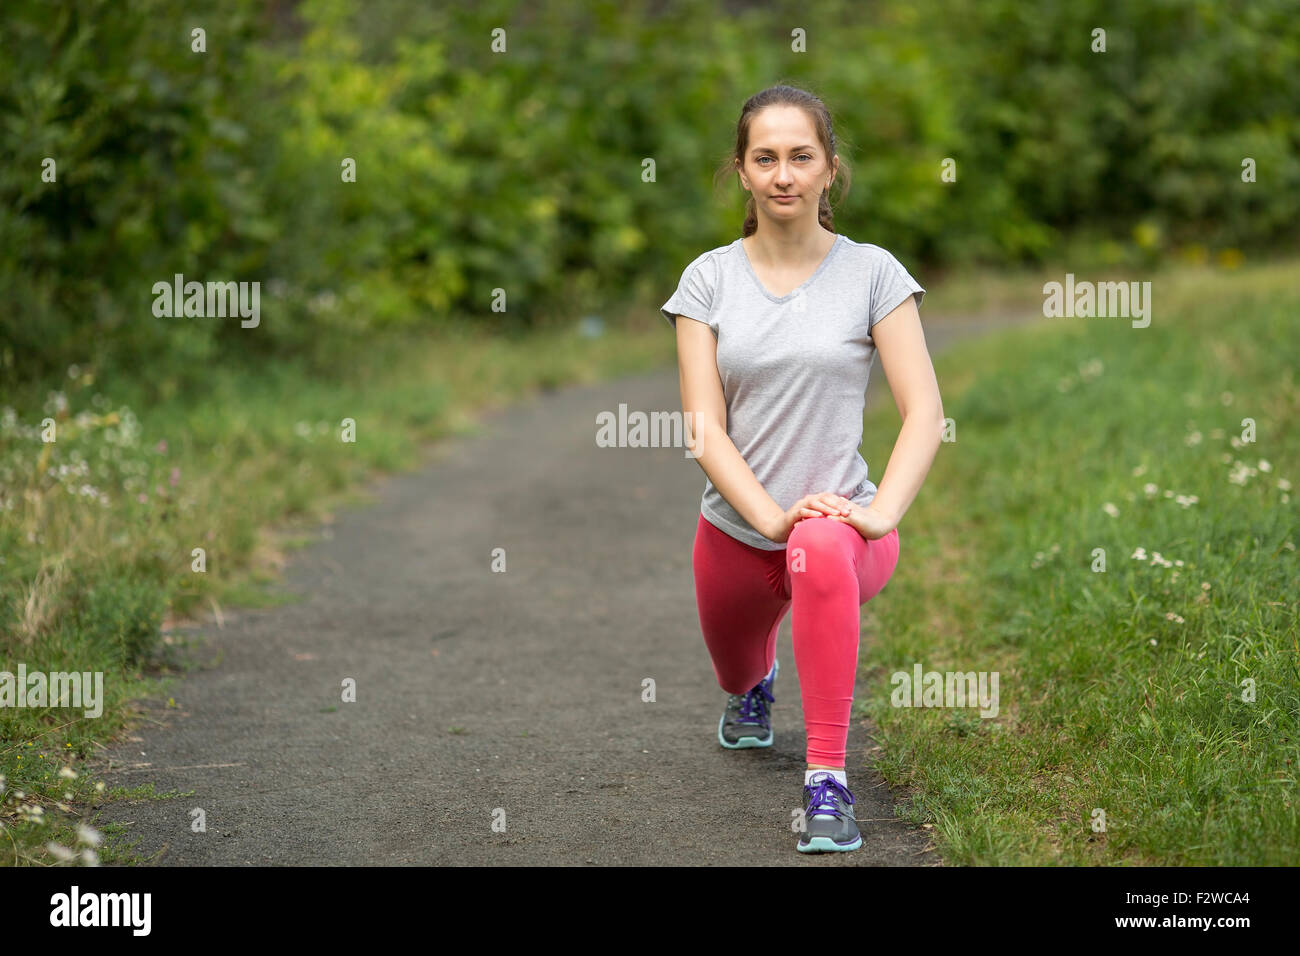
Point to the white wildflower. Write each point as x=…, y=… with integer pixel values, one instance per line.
x=61, y=852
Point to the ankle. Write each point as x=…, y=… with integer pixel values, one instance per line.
x=836, y=772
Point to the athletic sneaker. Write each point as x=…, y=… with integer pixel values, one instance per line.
x=828, y=834
x=747, y=721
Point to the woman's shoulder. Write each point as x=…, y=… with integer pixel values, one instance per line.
x=877, y=260
x=867, y=249
x=712, y=255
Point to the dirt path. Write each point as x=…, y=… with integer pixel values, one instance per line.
x=481, y=692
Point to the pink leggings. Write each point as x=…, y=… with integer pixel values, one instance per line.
x=827, y=571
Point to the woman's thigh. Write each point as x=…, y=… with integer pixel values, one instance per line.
x=742, y=596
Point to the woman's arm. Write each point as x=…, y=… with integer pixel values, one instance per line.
x=705, y=407
x=906, y=361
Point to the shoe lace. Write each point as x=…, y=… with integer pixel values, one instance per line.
x=753, y=705
x=826, y=794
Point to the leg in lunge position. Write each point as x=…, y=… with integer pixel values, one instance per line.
x=833, y=571
x=742, y=599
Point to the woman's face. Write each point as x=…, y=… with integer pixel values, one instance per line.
x=785, y=158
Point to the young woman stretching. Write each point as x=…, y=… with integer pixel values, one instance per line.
x=785, y=324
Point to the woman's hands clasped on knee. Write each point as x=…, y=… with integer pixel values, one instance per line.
x=824, y=504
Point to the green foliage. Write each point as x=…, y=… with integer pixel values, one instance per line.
x=121, y=613
x=524, y=170
x=148, y=177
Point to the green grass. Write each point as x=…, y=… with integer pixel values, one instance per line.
x=1120, y=690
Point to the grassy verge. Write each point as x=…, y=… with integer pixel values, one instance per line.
x=1101, y=536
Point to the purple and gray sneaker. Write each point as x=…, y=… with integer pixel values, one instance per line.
x=828, y=820
x=747, y=721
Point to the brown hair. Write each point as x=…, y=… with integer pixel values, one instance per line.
x=782, y=95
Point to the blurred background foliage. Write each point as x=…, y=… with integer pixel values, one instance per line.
x=522, y=170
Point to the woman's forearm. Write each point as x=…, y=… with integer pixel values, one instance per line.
x=734, y=479
x=909, y=462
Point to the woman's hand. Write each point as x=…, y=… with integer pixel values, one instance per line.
x=868, y=522
x=824, y=504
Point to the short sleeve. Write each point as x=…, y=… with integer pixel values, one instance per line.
x=891, y=284
x=694, y=295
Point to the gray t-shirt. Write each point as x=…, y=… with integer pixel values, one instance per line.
x=794, y=369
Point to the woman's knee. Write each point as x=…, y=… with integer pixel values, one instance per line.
x=819, y=546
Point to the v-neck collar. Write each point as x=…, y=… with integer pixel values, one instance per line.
x=830, y=254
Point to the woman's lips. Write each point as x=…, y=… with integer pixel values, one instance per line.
x=785, y=198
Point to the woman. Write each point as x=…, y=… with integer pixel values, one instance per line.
x=774, y=367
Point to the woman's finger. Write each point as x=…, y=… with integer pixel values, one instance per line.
x=834, y=502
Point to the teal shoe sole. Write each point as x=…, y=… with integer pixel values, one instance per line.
x=743, y=743
x=827, y=845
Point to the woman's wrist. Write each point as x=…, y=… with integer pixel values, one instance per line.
x=885, y=513
x=772, y=523
x=872, y=522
